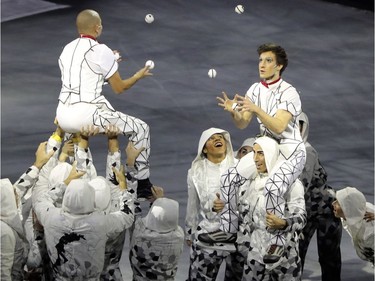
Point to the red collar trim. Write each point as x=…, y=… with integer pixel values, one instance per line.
x=265, y=84
x=87, y=36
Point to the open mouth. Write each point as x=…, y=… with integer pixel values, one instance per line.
x=218, y=144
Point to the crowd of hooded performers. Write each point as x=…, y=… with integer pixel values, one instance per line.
x=62, y=221
x=257, y=209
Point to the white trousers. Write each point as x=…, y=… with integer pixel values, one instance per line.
x=72, y=117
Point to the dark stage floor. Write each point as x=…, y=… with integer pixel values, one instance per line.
x=331, y=63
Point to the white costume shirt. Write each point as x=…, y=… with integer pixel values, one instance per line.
x=279, y=95
x=84, y=65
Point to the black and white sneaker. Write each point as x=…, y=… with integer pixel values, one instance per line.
x=229, y=247
x=217, y=236
x=274, y=253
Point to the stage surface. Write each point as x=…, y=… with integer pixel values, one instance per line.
x=331, y=63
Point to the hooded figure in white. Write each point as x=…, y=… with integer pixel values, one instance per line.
x=157, y=235
x=203, y=184
x=247, y=143
x=13, y=242
x=253, y=237
x=76, y=234
x=354, y=206
x=106, y=202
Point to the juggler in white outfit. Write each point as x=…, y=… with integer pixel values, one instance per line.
x=85, y=65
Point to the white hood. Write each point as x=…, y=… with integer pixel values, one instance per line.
x=79, y=198
x=102, y=193
x=271, y=151
x=163, y=215
x=9, y=211
x=352, y=203
x=203, y=139
x=59, y=174
x=246, y=142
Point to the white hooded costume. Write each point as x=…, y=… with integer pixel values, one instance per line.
x=354, y=206
x=13, y=242
x=76, y=234
x=107, y=200
x=157, y=242
x=246, y=142
x=253, y=237
x=203, y=183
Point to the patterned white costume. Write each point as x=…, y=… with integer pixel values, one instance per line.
x=203, y=183
x=253, y=237
x=278, y=95
x=85, y=65
x=270, y=98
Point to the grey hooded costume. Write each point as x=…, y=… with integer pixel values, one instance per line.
x=157, y=242
x=320, y=217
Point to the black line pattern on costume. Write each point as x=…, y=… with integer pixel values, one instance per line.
x=278, y=184
x=135, y=129
x=64, y=240
x=230, y=184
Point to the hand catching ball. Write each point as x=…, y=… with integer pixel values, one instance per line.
x=149, y=18
x=212, y=73
x=150, y=64
x=239, y=9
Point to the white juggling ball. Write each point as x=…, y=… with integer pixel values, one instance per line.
x=212, y=73
x=239, y=9
x=150, y=64
x=117, y=56
x=149, y=18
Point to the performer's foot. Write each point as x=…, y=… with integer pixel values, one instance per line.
x=229, y=247
x=144, y=189
x=274, y=253
x=217, y=236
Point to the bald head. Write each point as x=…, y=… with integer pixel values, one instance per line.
x=88, y=21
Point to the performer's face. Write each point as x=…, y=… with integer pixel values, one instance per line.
x=337, y=211
x=215, y=147
x=259, y=159
x=243, y=151
x=268, y=68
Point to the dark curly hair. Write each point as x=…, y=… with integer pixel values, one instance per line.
x=281, y=56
